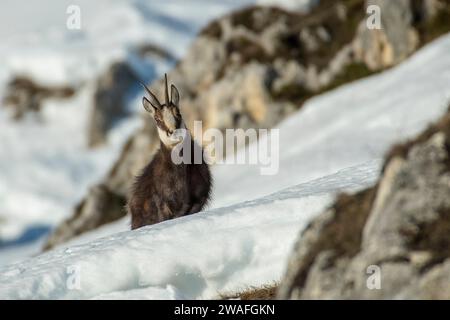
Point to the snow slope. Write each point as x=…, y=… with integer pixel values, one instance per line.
x=334, y=143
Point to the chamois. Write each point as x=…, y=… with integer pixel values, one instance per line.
x=166, y=190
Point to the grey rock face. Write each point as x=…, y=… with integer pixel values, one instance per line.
x=89, y=215
x=109, y=101
x=405, y=26
x=400, y=229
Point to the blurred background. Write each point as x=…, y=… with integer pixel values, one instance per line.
x=71, y=131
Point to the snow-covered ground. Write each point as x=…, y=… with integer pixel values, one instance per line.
x=334, y=143
x=192, y=257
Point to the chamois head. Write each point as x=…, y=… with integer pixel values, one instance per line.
x=167, y=115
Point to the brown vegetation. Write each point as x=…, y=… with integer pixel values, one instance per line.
x=265, y=292
x=24, y=95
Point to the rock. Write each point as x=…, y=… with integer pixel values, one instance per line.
x=405, y=26
x=109, y=101
x=152, y=51
x=400, y=227
x=431, y=19
x=89, y=214
x=134, y=156
x=396, y=40
x=26, y=96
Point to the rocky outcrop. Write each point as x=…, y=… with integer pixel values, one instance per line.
x=256, y=66
x=405, y=26
x=394, y=41
x=100, y=199
x=391, y=241
x=109, y=101
x=25, y=96
x=151, y=51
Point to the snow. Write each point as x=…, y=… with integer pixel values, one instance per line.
x=334, y=144
x=298, y=5
x=183, y=258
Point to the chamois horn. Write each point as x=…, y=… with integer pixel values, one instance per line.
x=154, y=99
x=167, y=91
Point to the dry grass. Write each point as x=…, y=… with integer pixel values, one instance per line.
x=265, y=292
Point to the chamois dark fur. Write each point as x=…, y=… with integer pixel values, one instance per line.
x=165, y=190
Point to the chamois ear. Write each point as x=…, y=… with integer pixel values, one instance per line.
x=174, y=95
x=148, y=106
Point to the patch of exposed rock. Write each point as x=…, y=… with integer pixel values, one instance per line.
x=399, y=229
x=100, y=199
x=152, y=51
x=23, y=95
x=109, y=103
x=256, y=66
x=405, y=26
